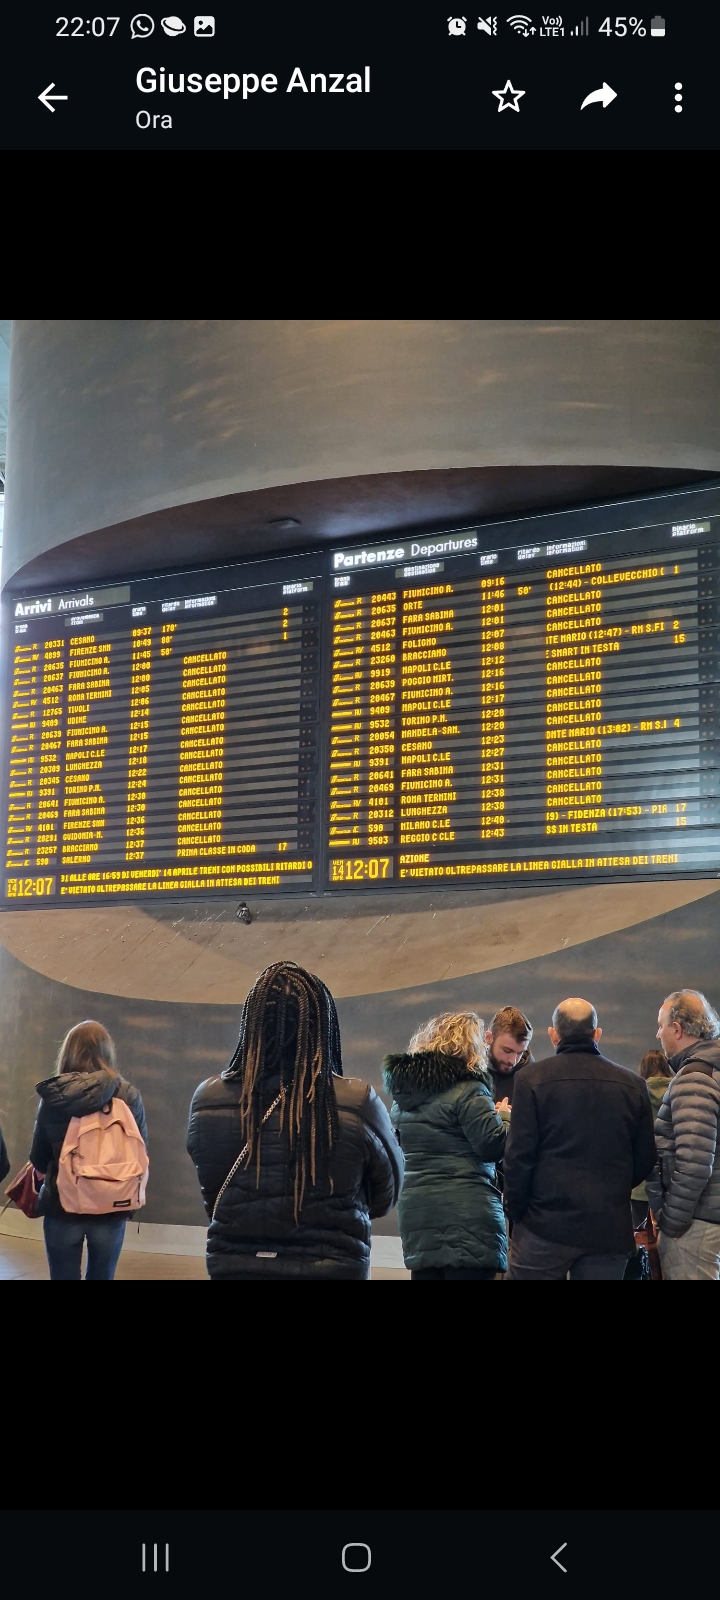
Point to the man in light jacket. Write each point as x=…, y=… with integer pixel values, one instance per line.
x=684, y=1191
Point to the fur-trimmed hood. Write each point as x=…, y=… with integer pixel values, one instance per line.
x=413, y=1078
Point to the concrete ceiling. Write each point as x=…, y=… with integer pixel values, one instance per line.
x=336, y=510
x=171, y=443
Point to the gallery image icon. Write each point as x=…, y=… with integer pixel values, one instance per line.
x=508, y=97
x=204, y=27
x=601, y=97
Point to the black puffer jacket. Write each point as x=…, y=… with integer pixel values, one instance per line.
x=4, y=1160
x=74, y=1094
x=255, y=1233
x=687, y=1183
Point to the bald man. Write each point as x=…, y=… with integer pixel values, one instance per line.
x=581, y=1138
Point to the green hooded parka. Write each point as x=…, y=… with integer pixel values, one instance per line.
x=450, y=1209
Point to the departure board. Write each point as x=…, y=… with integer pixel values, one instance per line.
x=464, y=709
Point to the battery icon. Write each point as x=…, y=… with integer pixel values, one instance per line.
x=657, y=28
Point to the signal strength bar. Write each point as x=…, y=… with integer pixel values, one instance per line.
x=581, y=30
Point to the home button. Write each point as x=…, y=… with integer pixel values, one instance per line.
x=356, y=1557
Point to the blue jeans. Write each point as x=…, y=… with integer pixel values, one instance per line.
x=64, y=1242
x=533, y=1259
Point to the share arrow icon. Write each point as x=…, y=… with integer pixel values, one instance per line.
x=606, y=94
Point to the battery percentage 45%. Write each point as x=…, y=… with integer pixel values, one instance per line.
x=622, y=25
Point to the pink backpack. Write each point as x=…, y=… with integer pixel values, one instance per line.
x=103, y=1163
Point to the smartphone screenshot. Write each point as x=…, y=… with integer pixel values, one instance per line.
x=325, y=77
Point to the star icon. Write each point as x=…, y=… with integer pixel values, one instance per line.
x=508, y=97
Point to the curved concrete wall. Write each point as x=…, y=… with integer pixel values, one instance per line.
x=110, y=421
x=642, y=941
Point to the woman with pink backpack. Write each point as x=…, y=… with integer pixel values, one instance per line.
x=90, y=1141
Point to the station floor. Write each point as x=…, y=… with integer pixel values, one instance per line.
x=25, y=1258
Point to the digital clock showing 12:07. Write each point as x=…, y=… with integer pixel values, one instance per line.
x=361, y=869
x=28, y=888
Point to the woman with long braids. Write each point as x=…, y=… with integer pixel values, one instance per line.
x=293, y=1159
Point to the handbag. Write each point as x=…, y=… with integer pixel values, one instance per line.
x=244, y=1151
x=638, y=1266
x=646, y=1238
x=24, y=1190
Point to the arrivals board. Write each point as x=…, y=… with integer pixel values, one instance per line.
x=523, y=701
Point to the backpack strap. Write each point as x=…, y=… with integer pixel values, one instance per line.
x=244, y=1151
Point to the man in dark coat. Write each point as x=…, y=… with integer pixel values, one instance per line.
x=581, y=1137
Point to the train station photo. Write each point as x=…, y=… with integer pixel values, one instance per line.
x=360, y=783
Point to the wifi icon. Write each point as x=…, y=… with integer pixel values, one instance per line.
x=521, y=24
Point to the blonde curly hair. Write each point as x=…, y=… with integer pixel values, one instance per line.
x=454, y=1033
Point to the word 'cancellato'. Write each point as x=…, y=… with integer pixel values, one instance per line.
x=153, y=80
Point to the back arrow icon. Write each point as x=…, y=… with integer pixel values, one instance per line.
x=606, y=94
x=554, y=1557
x=46, y=97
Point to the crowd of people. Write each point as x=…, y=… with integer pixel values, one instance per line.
x=501, y=1165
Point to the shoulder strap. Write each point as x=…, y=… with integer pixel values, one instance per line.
x=698, y=1065
x=244, y=1151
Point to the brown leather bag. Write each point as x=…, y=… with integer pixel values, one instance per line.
x=24, y=1190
